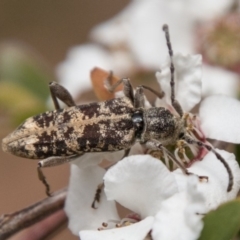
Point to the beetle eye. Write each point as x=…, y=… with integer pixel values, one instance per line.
x=181, y=135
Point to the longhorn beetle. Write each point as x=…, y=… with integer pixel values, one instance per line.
x=63, y=135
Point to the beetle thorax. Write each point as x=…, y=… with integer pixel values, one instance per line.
x=160, y=124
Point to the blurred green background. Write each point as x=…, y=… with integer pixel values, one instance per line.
x=34, y=38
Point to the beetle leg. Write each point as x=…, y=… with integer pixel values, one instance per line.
x=139, y=95
x=42, y=178
x=139, y=98
x=58, y=160
x=160, y=94
x=59, y=92
x=98, y=192
x=126, y=153
x=50, y=162
x=97, y=195
x=156, y=145
x=127, y=87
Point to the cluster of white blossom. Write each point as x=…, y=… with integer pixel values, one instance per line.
x=132, y=41
x=162, y=199
x=165, y=204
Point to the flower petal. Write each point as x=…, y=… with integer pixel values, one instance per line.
x=113, y=32
x=215, y=189
x=93, y=159
x=139, y=183
x=180, y=215
x=89, y=159
x=220, y=118
x=187, y=80
x=207, y=10
x=74, y=72
x=134, y=27
x=136, y=231
x=82, y=188
x=217, y=80
x=147, y=41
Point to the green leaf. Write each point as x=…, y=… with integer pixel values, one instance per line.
x=24, y=68
x=237, y=153
x=24, y=82
x=19, y=103
x=223, y=223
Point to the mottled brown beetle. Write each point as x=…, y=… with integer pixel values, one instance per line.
x=63, y=135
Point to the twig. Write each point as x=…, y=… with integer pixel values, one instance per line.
x=45, y=229
x=14, y=222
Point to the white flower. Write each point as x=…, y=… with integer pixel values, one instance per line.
x=163, y=200
x=133, y=41
x=85, y=177
x=224, y=113
x=183, y=212
x=136, y=231
x=74, y=72
x=188, y=85
x=219, y=114
x=138, y=27
x=219, y=118
x=144, y=185
x=227, y=82
x=82, y=187
x=214, y=190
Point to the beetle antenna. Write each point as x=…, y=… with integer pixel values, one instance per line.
x=172, y=69
x=219, y=157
